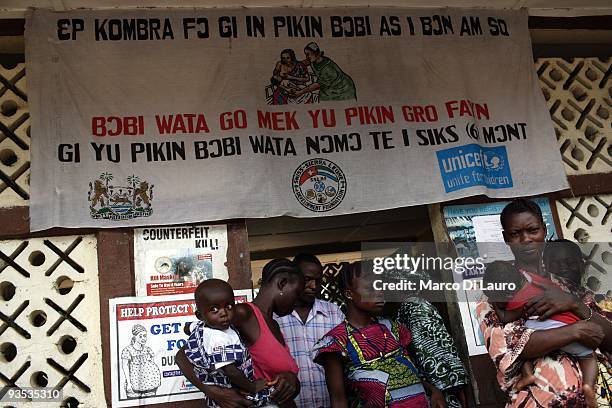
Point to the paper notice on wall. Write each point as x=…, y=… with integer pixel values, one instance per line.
x=174, y=260
x=490, y=240
x=145, y=335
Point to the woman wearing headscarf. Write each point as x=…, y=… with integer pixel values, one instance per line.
x=142, y=375
x=333, y=83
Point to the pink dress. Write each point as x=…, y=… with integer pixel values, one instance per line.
x=269, y=357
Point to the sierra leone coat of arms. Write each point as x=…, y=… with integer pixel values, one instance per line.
x=120, y=202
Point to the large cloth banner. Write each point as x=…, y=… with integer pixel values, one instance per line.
x=151, y=117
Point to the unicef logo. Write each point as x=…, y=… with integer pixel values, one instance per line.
x=493, y=161
x=319, y=185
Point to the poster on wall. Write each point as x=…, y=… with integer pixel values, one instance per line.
x=174, y=260
x=236, y=113
x=475, y=230
x=146, y=334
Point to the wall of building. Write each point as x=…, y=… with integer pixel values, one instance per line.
x=55, y=285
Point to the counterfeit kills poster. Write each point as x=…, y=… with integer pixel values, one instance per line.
x=259, y=112
x=174, y=260
x=146, y=334
x=477, y=232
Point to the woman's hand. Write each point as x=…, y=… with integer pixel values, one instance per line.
x=228, y=397
x=553, y=300
x=285, y=386
x=588, y=333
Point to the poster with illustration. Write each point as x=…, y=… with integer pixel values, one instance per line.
x=174, y=260
x=475, y=230
x=145, y=334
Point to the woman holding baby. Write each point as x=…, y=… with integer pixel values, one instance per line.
x=558, y=380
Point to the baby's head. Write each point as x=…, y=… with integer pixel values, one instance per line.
x=499, y=276
x=564, y=259
x=215, y=302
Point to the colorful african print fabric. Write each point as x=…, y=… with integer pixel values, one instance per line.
x=559, y=380
x=558, y=383
x=434, y=349
x=603, y=388
x=377, y=369
x=603, y=384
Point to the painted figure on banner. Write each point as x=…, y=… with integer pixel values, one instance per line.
x=332, y=82
x=141, y=374
x=289, y=76
x=113, y=202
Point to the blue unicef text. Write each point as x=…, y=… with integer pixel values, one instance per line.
x=473, y=165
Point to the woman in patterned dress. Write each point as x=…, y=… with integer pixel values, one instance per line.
x=366, y=360
x=558, y=377
x=435, y=349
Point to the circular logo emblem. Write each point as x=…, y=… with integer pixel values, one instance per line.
x=319, y=185
x=163, y=264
